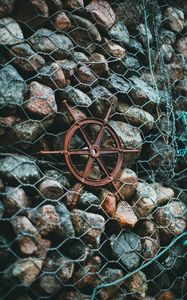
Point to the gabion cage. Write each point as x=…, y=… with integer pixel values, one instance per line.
x=93, y=139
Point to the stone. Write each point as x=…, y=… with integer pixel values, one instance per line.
x=101, y=12
x=164, y=194
x=129, y=14
x=150, y=248
x=160, y=154
x=89, y=226
x=26, y=133
x=118, y=85
x=176, y=69
x=68, y=67
x=81, y=38
x=171, y=218
x=85, y=78
x=108, y=275
x=58, y=176
x=168, y=37
x=76, y=97
x=65, y=118
x=72, y=295
x=10, y=32
x=24, y=270
x=137, y=285
x=135, y=115
x=167, y=52
x=92, y=31
x=57, y=269
x=125, y=215
x=108, y=202
x=6, y=7
x=112, y=49
x=87, y=272
x=40, y=99
x=174, y=19
x=144, y=35
x=24, y=297
x=79, y=57
x=166, y=295
x=12, y=86
x=28, y=239
x=126, y=181
x=61, y=21
x=52, y=220
x=18, y=168
x=130, y=137
x=51, y=189
x=119, y=33
x=99, y=64
x=26, y=58
x=144, y=200
x=130, y=63
x=102, y=99
x=121, y=294
x=15, y=200
x=74, y=4
x=126, y=247
x=2, y=209
x=49, y=42
x=148, y=229
x=135, y=47
x=89, y=201
x=143, y=94
x=181, y=87
x=182, y=46
x=52, y=76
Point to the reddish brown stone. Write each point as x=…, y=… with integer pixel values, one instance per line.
x=101, y=12
x=108, y=202
x=137, y=285
x=174, y=19
x=74, y=4
x=126, y=182
x=61, y=22
x=112, y=49
x=167, y=295
x=15, y=200
x=6, y=7
x=68, y=67
x=40, y=99
x=9, y=120
x=125, y=215
x=84, y=77
x=99, y=64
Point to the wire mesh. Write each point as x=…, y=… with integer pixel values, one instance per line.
x=93, y=135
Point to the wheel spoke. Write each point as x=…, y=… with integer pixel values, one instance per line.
x=100, y=136
x=86, y=137
x=79, y=152
x=109, y=151
x=51, y=152
x=100, y=162
x=88, y=167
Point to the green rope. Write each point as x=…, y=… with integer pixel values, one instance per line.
x=105, y=285
x=183, y=118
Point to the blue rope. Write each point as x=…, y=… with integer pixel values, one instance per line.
x=101, y=286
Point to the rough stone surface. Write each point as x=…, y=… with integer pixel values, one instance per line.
x=15, y=200
x=2, y=209
x=89, y=200
x=119, y=33
x=102, y=100
x=12, y=86
x=51, y=189
x=53, y=76
x=127, y=182
x=19, y=168
x=56, y=270
x=174, y=19
x=137, y=285
x=40, y=99
x=99, y=64
x=85, y=77
x=135, y=116
x=150, y=247
x=127, y=247
x=52, y=220
x=164, y=194
x=76, y=96
x=112, y=49
x=171, y=218
x=108, y=275
x=108, y=202
x=144, y=200
x=61, y=22
x=144, y=34
x=10, y=32
x=130, y=137
x=89, y=226
x=87, y=272
x=125, y=215
x=24, y=270
x=118, y=85
x=6, y=7
x=182, y=46
x=68, y=67
x=26, y=58
x=49, y=42
x=101, y=13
